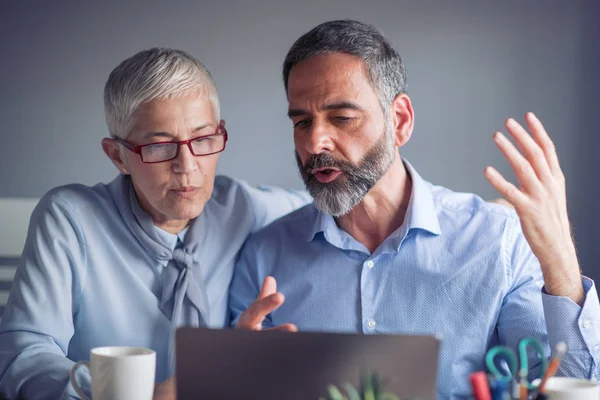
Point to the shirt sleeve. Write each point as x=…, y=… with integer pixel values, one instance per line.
x=270, y=203
x=578, y=327
x=37, y=324
x=527, y=311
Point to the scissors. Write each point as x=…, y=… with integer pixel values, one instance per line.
x=508, y=355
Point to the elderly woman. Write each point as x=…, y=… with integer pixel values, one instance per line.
x=126, y=262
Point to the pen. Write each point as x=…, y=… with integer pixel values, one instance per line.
x=561, y=349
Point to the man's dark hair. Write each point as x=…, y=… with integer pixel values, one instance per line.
x=384, y=65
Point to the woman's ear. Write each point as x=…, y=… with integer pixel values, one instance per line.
x=112, y=149
x=402, y=115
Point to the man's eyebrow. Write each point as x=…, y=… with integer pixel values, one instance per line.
x=296, y=112
x=341, y=105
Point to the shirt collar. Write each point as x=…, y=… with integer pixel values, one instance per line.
x=173, y=240
x=421, y=214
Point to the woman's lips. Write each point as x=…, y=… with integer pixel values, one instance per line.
x=186, y=192
x=326, y=174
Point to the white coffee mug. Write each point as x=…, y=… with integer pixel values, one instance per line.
x=119, y=373
x=563, y=388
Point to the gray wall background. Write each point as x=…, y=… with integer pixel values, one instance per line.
x=471, y=64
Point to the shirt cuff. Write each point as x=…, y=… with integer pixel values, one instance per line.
x=578, y=327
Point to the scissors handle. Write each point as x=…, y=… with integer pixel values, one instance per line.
x=511, y=359
x=508, y=355
x=539, y=349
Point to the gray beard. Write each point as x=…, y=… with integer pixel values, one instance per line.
x=339, y=197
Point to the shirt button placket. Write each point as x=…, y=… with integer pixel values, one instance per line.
x=369, y=324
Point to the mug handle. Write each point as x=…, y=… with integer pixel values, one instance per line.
x=74, y=380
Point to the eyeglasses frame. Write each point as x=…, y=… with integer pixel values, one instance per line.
x=221, y=131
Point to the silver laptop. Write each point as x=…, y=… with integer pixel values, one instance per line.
x=269, y=365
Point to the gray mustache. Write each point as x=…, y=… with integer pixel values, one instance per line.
x=322, y=161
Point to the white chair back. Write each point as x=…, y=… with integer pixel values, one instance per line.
x=14, y=221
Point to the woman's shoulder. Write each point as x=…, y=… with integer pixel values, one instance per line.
x=77, y=198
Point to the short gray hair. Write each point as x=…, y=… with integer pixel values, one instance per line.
x=385, y=68
x=152, y=74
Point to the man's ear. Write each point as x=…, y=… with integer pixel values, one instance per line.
x=113, y=151
x=402, y=115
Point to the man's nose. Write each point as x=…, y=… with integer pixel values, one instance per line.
x=319, y=139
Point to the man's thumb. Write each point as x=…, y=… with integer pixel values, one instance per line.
x=269, y=287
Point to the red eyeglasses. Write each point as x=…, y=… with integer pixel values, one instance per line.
x=166, y=151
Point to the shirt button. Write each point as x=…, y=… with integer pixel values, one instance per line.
x=371, y=324
x=370, y=264
x=597, y=347
x=587, y=323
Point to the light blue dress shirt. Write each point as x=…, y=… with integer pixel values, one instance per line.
x=95, y=271
x=458, y=267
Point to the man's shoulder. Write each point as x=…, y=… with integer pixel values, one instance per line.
x=450, y=203
x=469, y=219
x=269, y=202
x=471, y=224
x=293, y=226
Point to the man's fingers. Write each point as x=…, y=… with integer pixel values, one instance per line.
x=544, y=141
x=269, y=287
x=284, y=328
x=267, y=301
x=523, y=170
x=254, y=316
x=531, y=150
x=505, y=188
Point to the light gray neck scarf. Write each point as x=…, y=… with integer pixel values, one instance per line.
x=183, y=300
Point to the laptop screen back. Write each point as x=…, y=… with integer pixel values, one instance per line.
x=238, y=364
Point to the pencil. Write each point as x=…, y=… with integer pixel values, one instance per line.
x=523, y=392
x=561, y=349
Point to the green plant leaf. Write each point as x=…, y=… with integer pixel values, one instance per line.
x=334, y=393
x=368, y=394
x=352, y=392
x=371, y=388
x=376, y=383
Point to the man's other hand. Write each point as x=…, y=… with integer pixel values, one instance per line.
x=541, y=203
x=267, y=301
